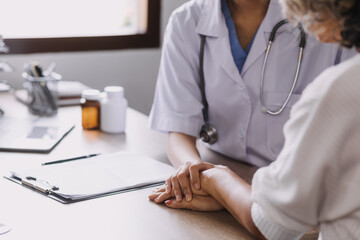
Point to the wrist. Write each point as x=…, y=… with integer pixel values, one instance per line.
x=207, y=179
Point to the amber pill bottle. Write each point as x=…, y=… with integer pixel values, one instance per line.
x=90, y=109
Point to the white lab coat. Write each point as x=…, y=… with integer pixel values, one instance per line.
x=244, y=132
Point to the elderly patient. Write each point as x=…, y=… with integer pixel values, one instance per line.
x=315, y=180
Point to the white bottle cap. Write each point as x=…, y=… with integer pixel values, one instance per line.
x=114, y=92
x=91, y=94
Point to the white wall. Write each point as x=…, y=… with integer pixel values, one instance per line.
x=135, y=70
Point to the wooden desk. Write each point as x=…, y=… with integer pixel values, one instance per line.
x=124, y=216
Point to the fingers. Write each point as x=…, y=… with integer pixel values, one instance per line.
x=176, y=188
x=169, y=181
x=204, y=166
x=162, y=197
x=168, y=185
x=153, y=196
x=194, y=176
x=198, y=203
x=194, y=171
x=186, y=179
x=159, y=195
x=157, y=192
x=183, y=178
x=161, y=188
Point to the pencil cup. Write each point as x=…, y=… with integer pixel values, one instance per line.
x=42, y=93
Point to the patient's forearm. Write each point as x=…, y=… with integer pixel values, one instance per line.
x=233, y=193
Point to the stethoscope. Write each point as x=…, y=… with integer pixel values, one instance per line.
x=208, y=133
x=300, y=57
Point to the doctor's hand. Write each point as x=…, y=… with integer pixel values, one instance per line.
x=185, y=179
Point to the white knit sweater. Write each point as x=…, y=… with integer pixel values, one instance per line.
x=315, y=182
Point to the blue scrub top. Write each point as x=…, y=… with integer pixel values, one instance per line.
x=237, y=51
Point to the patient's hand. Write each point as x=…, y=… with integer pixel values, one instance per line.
x=198, y=203
x=201, y=201
x=160, y=194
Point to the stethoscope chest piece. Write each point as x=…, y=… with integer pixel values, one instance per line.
x=208, y=133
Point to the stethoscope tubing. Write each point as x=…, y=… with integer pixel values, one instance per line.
x=202, y=79
x=302, y=44
x=263, y=106
x=208, y=132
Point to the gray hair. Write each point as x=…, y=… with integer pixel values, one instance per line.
x=346, y=12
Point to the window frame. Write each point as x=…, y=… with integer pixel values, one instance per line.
x=150, y=39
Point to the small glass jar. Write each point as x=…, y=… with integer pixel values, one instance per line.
x=90, y=109
x=42, y=93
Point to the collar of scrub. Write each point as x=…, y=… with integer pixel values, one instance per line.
x=212, y=24
x=238, y=53
x=212, y=21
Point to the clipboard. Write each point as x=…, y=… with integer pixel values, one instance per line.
x=94, y=177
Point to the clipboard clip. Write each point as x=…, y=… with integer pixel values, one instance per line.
x=33, y=183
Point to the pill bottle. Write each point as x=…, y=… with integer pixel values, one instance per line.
x=90, y=109
x=113, y=110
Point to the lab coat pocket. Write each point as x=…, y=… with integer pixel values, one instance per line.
x=275, y=124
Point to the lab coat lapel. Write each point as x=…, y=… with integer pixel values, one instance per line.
x=226, y=60
x=258, y=48
x=211, y=22
x=212, y=25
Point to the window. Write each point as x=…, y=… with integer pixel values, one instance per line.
x=79, y=25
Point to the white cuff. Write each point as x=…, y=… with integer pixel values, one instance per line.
x=269, y=229
x=170, y=124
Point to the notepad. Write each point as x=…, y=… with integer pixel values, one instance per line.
x=94, y=177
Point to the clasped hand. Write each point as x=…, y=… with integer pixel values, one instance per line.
x=187, y=188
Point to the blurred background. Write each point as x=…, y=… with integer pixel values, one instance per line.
x=134, y=67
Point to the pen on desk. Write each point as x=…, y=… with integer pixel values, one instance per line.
x=70, y=159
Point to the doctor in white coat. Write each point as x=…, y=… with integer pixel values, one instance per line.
x=237, y=33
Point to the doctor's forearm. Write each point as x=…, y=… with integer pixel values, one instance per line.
x=182, y=149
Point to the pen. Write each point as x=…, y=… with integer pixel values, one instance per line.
x=37, y=69
x=71, y=159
